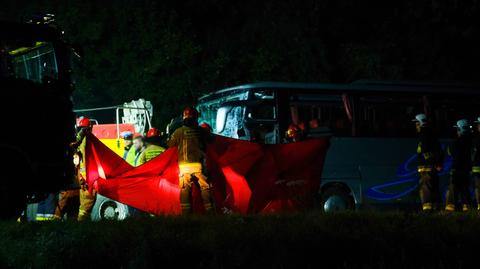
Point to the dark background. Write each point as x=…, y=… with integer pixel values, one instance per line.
x=170, y=52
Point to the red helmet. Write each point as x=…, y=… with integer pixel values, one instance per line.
x=190, y=113
x=293, y=131
x=153, y=132
x=206, y=126
x=83, y=122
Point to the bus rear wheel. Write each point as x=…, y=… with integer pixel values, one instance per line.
x=336, y=199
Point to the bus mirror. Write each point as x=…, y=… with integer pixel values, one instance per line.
x=222, y=113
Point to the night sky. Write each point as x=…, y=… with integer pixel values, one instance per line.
x=171, y=52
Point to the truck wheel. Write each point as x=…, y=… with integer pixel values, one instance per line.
x=108, y=209
x=14, y=175
x=335, y=199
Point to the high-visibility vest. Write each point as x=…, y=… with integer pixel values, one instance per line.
x=129, y=156
x=150, y=152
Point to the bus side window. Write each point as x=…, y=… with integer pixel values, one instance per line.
x=320, y=119
x=386, y=116
x=446, y=112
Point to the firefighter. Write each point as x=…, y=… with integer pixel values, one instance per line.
x=69, y=201
x=139, y=147
x=191, y=140
x=476, y=162
x=430, y=157
x=293, y=134
x=206, y=126
x=129, y=153
x=153, y=148
x=87, y=198
x=461, y=153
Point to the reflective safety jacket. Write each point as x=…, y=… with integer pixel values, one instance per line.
x=476, y=154
x=129, y=156
x=461, y=153
x=150, y=152
x=191, y=143
x=429, y=151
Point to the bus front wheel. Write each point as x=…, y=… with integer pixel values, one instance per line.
x=336, y=199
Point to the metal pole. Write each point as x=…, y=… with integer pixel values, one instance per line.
x=117, y=111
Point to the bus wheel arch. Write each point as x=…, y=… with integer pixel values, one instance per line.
x=335, y=197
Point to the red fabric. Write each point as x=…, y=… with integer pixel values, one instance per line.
x=247, y=177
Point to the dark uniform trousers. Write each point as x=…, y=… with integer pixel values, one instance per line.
x=429, y=188
x=458, y=186
x=476, y=179
x=68, y=204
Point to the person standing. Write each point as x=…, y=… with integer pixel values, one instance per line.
x=69, y=201
x=191, y=140
x=152, y=148
x=129, y=151
x=138, y=147
x=476, y=162
x=461, y=153
x=87, y=198
x=430, y=158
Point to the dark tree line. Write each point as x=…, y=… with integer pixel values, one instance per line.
x=171, y=52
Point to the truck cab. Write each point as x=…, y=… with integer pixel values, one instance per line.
x=38, y=121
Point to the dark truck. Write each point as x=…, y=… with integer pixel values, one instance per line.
x=38, y=121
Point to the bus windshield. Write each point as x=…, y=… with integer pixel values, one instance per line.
x=36, y=63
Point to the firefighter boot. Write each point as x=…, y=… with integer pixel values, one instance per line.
x=450, y=207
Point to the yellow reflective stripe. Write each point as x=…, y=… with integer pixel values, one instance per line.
x=25, y=49
x=421, y=169
x=190, y=165
x=44, y=216
x=476, y=169
x=465, y=207
x=450, y=207
x=427, y=206
x=190, y=168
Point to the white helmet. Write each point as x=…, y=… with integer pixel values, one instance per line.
x=463, y=126
x=421, y=118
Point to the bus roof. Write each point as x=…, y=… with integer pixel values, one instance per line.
x=360, y=86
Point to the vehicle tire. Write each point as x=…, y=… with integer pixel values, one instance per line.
x=336, y=199
x=14, y=174
x=108, y=209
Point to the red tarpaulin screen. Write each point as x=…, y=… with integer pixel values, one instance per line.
x=247, y=177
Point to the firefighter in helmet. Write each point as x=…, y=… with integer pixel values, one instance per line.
x=461, y=153
x=476, y=161
x=153, y=148
x=430, y=157
x=293, y=134
x=191, y=140
x=206, y=126
x=87, y=198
